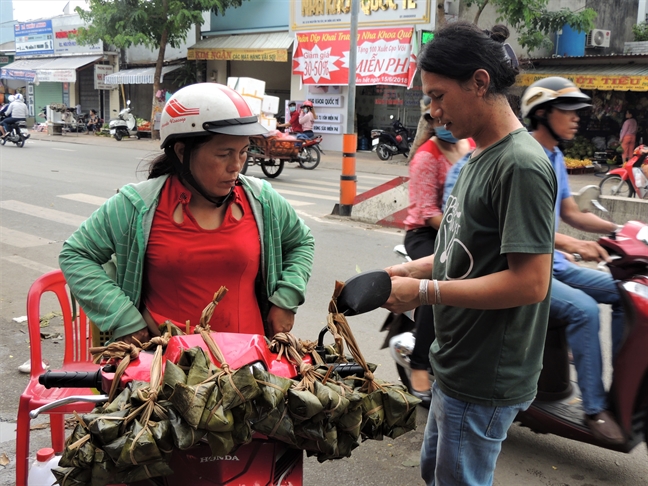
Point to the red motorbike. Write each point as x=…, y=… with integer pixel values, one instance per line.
x=263, y=461
x=629, y=180
x=556, y=409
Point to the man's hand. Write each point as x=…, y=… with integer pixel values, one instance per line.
x=404, y=294
x=280, y=320
x=591, y=251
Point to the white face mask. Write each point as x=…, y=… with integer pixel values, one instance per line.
x=292, y=108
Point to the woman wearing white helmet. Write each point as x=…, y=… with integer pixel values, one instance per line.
x=194, y=225
x=551, y=106
x=15, y=112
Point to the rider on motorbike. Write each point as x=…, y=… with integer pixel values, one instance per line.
x=159, y=249
x=551, y=106
x=307, y=120
x=16, y=112
x=293, y=122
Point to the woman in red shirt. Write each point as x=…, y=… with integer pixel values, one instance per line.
x=427, y=172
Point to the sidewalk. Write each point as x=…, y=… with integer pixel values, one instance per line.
x=367, y=162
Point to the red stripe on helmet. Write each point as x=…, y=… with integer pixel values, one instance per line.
x=241, y=105
x=176, y=109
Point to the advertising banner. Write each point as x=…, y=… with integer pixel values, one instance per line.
x=100, y=73
x=57, y=75
x=274, y=55
x=587, y=81
x=34, y=38
x=19, y=74
x=384, y=56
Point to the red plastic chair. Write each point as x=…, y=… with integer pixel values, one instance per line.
x=78, y=339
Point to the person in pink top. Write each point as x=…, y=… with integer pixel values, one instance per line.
x=628, y=135
x=307, y=120
x=427, y=172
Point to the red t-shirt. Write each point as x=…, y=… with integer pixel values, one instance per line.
x=186, y=265
x=295, y=126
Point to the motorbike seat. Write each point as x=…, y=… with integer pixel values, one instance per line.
x=554, y=382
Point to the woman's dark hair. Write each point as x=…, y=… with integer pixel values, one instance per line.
x=162, y=164
x=499, y=33
x=461, y=48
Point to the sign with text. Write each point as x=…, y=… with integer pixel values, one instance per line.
x=56, y=75
x=329, y=117
x=100, y=73
x=327, y=101
x=384, y=56
x=334, y=129
x=587, y=81
x=34, y=38
x=274, y=55
x=308, y=14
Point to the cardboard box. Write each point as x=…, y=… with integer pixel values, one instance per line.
x=254, y=103
x=268, y=122
x=247, y=86
x=270, y=104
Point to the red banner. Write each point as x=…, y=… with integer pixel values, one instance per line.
x=385, y=56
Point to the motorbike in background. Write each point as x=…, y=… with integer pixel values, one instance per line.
x=125, y=125
x=17, y=133
x=395, y=141
x=629, y=180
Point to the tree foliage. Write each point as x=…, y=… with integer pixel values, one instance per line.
x=533, y=22
x=640, y=32
x=152, y=23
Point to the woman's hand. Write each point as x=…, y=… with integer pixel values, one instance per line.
x=280, y=320
x=404, y=295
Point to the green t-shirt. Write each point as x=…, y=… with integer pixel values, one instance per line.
x=502, y=203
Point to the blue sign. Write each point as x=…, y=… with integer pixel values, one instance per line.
x=34, y=38
x=21, y=74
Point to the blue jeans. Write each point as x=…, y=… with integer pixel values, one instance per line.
x=575, y=295
x=462, y=440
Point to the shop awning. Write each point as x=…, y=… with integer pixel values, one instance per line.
x=615, y=77
x=138, y=75
x=50, y=69
x=384, y=56
x=249, y=47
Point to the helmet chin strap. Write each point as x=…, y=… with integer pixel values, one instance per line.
x=184, y=171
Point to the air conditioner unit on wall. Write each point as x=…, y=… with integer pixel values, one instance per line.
x=598, y=38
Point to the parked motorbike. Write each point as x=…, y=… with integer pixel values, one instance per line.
x=557, y=408
x=125, y=125
x=388, y=143
x=262, y=461
x=629, y=180
x=18, y=133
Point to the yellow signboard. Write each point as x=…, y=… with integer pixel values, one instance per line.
x=275, y=55
x=589, y=81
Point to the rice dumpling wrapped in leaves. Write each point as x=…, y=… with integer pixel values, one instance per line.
x=276, y=423
x=220, y=443
x=373, y=415
x=105, y=427
x=273, y=388
x=199, y=370
x=121, y=402
x=352, y=395
x=184, y=436
x=103, y=469
x=326, y=446
x=72, y=476
x=242, y=416
x=309, y=429
x=140, y=448
x=173, y=374
x=237, y=387
x=345, y=444
x=333, y=403
x=162, y=435
x=114, y=449
x=190, y=401
x=139, y=393
x=214, y=417
x=350, y=423
x=399, y=405
x=303, y=405
x=79, y=451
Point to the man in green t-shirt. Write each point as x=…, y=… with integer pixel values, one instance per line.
x=492, y=264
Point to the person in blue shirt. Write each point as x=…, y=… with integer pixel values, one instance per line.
x=551, y=106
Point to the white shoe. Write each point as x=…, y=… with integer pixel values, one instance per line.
x=26, y=366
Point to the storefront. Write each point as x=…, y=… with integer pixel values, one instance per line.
x=615, y=84
x=387, y=85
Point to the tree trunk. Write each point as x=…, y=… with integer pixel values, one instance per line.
x=479, y=12
x=440, y=14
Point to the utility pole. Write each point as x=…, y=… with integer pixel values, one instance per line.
x=348, y=179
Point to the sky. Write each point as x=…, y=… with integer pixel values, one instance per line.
x=24, y=10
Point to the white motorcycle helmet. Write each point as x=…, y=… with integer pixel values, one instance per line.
x=11, y=98
x=18, y=97
x=204, y=108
